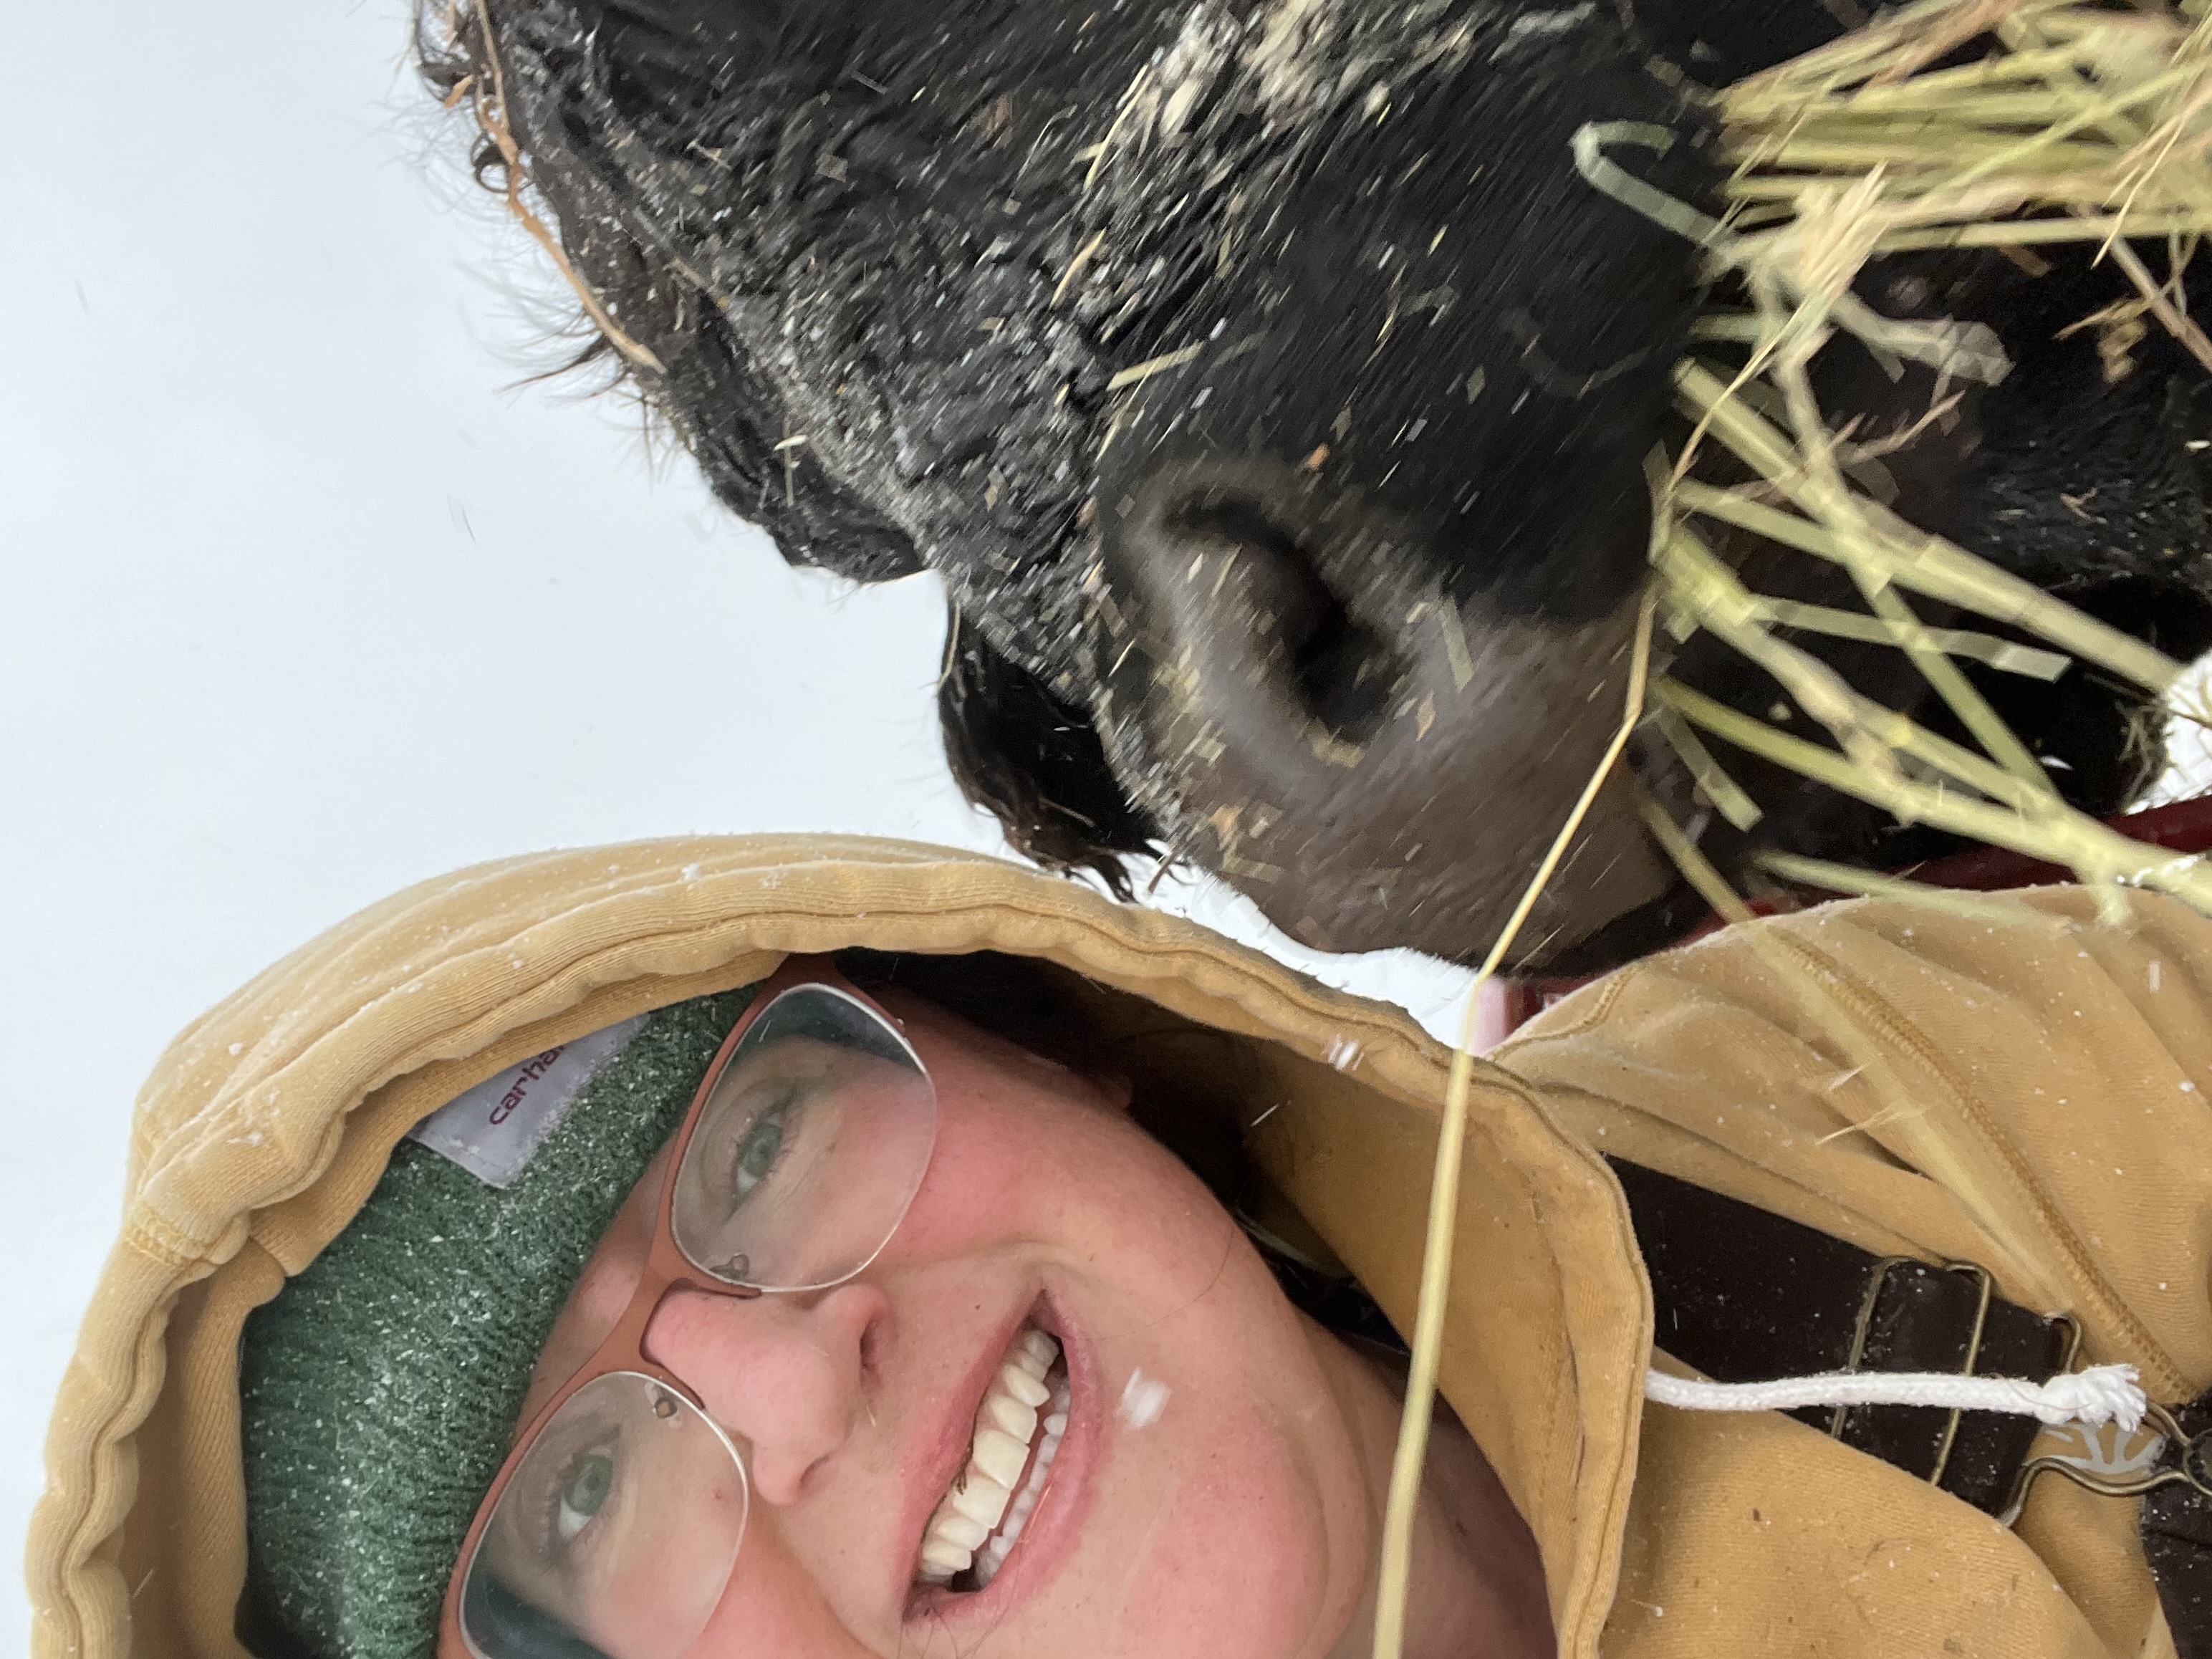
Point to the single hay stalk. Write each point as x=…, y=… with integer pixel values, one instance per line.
x=1413, y=1448
x=489, y=104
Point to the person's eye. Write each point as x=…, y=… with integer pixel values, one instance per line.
x=760, y=1148
x=584, y=1489
x=568, y=1494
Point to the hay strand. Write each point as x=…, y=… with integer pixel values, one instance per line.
x=1412, y=1447
x=489, y=104
x=1854, y=530
x=1832, y=878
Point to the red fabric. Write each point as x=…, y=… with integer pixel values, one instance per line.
x=2184, y=827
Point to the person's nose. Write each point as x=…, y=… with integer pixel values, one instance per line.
x=785, y=1374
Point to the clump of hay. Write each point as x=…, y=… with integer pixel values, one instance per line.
x=2075, y=124
x=2078, y=125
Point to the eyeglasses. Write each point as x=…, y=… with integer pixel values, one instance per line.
x=623, y=1503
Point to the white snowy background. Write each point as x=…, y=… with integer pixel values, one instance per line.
x=302, y=599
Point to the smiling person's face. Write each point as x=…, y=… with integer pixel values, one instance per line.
x=1208, y=1493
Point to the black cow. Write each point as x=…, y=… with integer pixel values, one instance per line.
x=1274, y=398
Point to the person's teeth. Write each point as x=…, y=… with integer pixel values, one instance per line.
x=939, y=1556
x=1001, y=1457
x=951, y=1527
x=1035, y=1353
x=995, y=1550
x=1008, y=1414
x=976, y=1523
x=982, y=1499
x=993, y=1555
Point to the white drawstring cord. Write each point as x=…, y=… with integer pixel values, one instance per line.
x=2102, y=1394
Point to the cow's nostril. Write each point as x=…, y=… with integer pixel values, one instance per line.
x=1339, y=670
x=1335, y=668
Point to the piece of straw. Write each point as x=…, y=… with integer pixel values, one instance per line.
x=489, y=103
x=1849, y=529
x=2095, y=852
x=1412, y=1448
x=1834, y=877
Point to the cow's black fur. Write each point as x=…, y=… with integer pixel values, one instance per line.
x=899, y=271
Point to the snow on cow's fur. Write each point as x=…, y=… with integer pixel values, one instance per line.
x=1274, y=399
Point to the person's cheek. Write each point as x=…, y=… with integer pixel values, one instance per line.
x=1084, y=1183
x=1228, y=1560
x=774, y=1605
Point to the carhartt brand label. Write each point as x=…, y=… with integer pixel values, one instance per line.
x=494, y=1129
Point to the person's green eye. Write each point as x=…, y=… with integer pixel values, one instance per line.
x=591, y=1477
x=758, y=1153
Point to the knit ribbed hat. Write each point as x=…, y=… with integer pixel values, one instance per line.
x=379, y=1388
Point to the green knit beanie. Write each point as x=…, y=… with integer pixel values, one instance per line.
x=380, y=1388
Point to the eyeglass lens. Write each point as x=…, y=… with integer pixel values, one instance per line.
x=618, y=1528
x=614, y=1533
x=808, y=1148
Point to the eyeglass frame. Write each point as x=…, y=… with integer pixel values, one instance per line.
x=667, y=1268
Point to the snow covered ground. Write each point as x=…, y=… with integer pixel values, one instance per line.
x=301, y=602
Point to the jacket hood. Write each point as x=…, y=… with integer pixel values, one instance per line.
x=267, y=1122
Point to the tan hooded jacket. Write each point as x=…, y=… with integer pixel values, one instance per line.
x=2027, y=1093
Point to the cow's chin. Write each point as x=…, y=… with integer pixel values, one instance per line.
x=1426, y=831
x=1363, y=871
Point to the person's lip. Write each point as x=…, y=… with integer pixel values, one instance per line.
x=1053, y=1528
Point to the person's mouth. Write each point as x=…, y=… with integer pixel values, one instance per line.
x=1018, y=1433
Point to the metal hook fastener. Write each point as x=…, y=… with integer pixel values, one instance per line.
x=2193, y=1469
